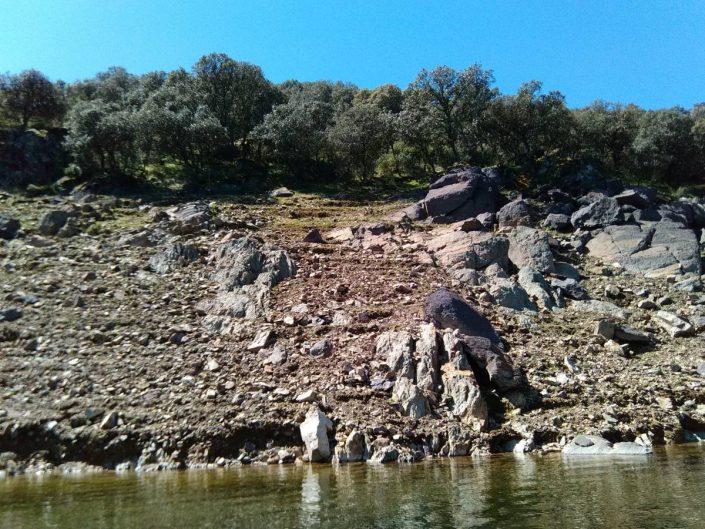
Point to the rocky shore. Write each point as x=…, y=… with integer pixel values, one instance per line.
x=294, y=328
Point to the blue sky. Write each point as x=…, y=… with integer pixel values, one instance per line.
x=648, y=52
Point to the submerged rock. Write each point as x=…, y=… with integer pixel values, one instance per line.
x=593, y=445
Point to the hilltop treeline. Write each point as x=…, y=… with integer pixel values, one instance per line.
x=206, y=122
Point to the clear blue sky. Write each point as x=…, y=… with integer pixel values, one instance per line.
x=643, y=51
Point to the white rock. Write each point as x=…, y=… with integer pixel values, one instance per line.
x=314, y=432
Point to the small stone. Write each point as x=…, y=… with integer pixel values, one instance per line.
x=212, y=365
x=262, y=339
x=321, y=349
x=314, y=236
x=307, y=396
x=109, y=421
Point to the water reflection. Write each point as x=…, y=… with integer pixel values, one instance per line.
x=665, y=490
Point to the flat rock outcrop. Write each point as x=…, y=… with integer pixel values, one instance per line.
x=658, y=249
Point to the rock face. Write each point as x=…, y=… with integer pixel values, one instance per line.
x=593, y=445
x=460, y=194
x=246, y=270
x=448, y=310
x=464, y=391
x=314, y=432
x=529, y=247
x=663, y=248
x=176, y=255
x=9, y=227
x=602, y=212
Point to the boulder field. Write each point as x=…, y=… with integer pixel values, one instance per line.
x=299, y=328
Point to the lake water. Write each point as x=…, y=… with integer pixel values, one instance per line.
x=666, y=490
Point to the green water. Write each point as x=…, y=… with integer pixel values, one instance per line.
x=666, y=490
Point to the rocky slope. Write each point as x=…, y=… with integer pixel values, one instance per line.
x=300, y=328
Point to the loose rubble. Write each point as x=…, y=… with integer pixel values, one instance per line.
x=145, y=337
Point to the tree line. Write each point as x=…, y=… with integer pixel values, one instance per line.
x=223, y=111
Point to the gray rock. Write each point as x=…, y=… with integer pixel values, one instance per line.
x=506, y=293
x=246, y=270
x=569, y=288
x=593, y=445
x=558, y=222
x=52, y=221
x=174, y=256
x=567, y=270
x=355, y=446
x=448, y=310
x=530, y=247
x=412, y=402
x=192, y=217
x=516, y=213
x=385, y=454
x=538, y=289
x=655, y=251
x=486, y=219
x=281, y=192
x=427, y=367
x=487, y=357
x=672, y=324
x=396, y=348
x=262, y=339
x=314, y=433
x=321, y=349
x=600, y=307
x=10, y=314
x=639, y=197
x=473, y=250
x=461, y=194
x=602, y=212
x=463, y=391
x=9, y=226
x=314, y=236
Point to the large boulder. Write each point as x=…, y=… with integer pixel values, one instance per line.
x=475, y=250
x=492, y=361
x=461, y=194
x=603, y=212
x=530, y=247
x=447, y=309
x=515, y=213
x=52, y=221
x=506, y=293
x=314, y=433
x=9, y=226
x=192, y=217
x=660, y=249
